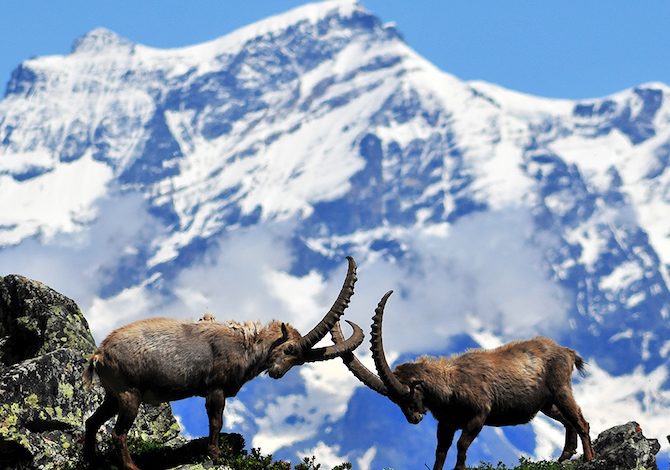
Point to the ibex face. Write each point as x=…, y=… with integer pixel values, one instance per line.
x=286, y=353
x=412, y=404
x=293, y=349
x=414, y=410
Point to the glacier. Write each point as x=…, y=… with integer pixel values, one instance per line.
x=235, y=175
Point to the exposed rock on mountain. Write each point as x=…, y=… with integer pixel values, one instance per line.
x=44, y=344
x=623, y=447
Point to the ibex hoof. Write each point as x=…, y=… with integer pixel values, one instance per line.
x=214, y=452
x=566, y=455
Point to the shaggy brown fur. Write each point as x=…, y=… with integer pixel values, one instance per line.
x=504, y=386
x=162, y=359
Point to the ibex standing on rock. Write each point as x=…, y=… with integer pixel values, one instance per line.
x=160, y=359
x=499, y=387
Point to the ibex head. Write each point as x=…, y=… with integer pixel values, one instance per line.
x=292, y=349
x=400, y=386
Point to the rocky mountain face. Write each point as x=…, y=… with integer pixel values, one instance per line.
x=236, y=175
x=44, y=344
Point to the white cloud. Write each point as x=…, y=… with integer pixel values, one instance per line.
x=130, y=304
x=482, y=275
x=292, y=418
x=365, y=461
x=247, y=278
x=325, y=455
x=76, y=264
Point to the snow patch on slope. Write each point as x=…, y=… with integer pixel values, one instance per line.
x=60, y=201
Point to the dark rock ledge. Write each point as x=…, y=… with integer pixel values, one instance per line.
x=44, y=344
x=623, y=447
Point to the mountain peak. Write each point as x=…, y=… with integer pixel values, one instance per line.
x=311, y=12
x=101, y=39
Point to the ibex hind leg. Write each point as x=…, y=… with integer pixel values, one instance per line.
x=568, y=407
x=570, y=447
x=129, y=404
x=105, y=411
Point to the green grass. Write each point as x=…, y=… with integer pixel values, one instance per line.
x=151, y=455
x=257, y=461
x=526, y=464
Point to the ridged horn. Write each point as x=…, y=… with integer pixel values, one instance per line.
x=344, y=347
x=335, y=312
x=356, y=367
x=394, y=386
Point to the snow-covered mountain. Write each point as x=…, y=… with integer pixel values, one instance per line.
x=235, y=175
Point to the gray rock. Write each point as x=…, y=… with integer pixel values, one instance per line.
x=35, y=320
x=623, y=447
x=44, y=345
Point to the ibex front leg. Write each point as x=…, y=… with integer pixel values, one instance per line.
x=445, y=436
x=215, y=402
x=470, y=431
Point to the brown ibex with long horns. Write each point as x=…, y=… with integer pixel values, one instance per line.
x=499, y=387
x=160, y=359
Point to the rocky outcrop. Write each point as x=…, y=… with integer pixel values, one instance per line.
x=623, y=447
x=44, y=345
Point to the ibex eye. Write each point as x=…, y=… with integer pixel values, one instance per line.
x=290, y=350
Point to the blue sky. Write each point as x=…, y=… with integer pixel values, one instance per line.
x=566, y=49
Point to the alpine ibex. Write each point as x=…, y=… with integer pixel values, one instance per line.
x=499, y=387
x=161, y=359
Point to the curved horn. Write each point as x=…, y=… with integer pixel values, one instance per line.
x=331, y=352
x=335, y=312
x=361, y=372
x=394, y=386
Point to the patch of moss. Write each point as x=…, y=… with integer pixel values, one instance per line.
x=32, y=400
x=172, y=431
x=144, y=446
x=9, y=420
x=66, y=390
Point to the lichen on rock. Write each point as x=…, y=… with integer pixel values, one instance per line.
x=44, y=345
x=623, y=447
x=35, y=320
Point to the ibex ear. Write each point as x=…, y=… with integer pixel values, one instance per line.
x=415, y=385
x=283, y=339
